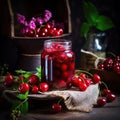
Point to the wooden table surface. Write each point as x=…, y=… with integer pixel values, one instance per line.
x=110, y=111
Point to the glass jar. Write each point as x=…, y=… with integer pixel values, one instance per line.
x=57, y=63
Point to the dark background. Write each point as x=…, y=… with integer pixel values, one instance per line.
x=110, y=8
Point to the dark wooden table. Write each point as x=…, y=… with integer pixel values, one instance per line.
x=110, y=111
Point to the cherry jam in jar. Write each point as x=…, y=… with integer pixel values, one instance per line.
x=57, y=63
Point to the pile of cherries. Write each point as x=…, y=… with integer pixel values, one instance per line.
x=81, y=81
x=110, y=64
x=46, y=30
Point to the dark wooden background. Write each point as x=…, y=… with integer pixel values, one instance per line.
x=110, y=8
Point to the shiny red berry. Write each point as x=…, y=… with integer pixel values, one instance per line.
x=110, y=97
x=116, y=68
x=105, y=91
x=76, y=81
x=23, y=87
x=108, y=63
x=56, y=107
x=33, y=79
x=87, y=81
x=101, y=66
x=43, y=87
x=9, y=79
x=82, y=86
x=101, y=102
x=35, y=89
x=64, y=67
x=82, y=75
x=96, y=78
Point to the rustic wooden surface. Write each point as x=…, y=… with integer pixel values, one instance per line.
x=109, y=112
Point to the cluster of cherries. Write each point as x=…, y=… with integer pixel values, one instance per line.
x=110, y=64
x=80, y=81
x=46, y=30
x=106, y=97
x=83, y=82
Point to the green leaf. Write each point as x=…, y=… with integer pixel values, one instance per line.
x=38, y=69
x=27, y=74
x=84, y=29
x=104, y=23
x=23, y=96
x=90, y=12
x=38, y=72
x=24, y=107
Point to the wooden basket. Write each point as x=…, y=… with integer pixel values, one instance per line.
x=60, y=10
x=29, y=49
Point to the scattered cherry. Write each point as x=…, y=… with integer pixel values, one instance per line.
x=96, y=78
x=56, y=107
x=106, y=91
x=23, y=87
x=82, y=86
x=9, y=79
x=35, y=89
x=110, y=97
x=43, y=87
x=101, y=102
x=33, y=79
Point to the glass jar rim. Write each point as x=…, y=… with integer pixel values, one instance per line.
x=58, y=40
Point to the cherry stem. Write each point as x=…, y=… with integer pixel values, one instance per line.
x=59, y=101
x=83, y=71
x=99, y=91
x=111, y=54
x=21, y=103
x=104, y=84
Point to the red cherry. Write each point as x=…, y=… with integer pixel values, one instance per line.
x=45, y=30
x=87, y=81
x=56, y=107
x=96, y=78
x=82, y=75
x=43, y=87
x=30, y=33
x=64, y=67
x=116, y=68
x=117, y=59
x=65, y=74
x=33, y=79
x=60, y=30
x=37, y=30
x=23, y=87
x=106, y=91
x=57, y=33
x=52, y=31
x=48, y=26
x=42, y=34
x=82, y=86
x=101, y=102
x=101, y=66
x=9, y=79
x=60, y=84
x=76, y=81
x=35, y=89
x=110, y=97
x=108, y=63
